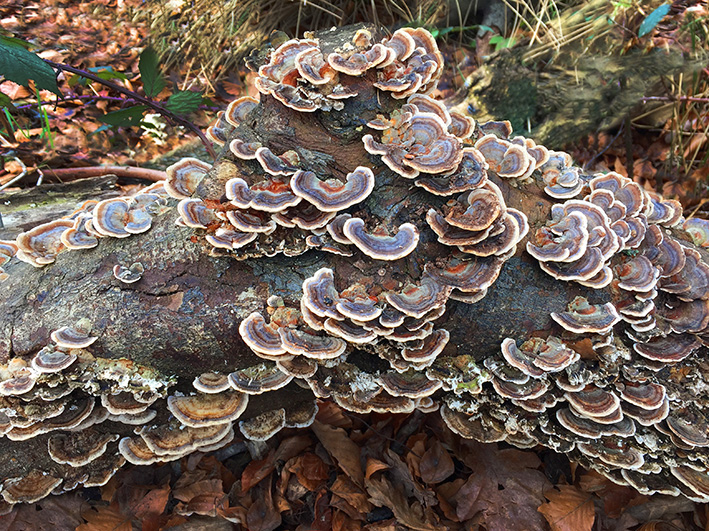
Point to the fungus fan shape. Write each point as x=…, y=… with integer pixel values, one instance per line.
x=594, y=384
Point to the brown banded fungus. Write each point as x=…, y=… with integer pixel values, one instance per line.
x=613, y=377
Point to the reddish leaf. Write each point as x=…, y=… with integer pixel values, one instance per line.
x=568, y=509
x=436, y=464
x=255, y=471
x=104, y=519
x=310, y=470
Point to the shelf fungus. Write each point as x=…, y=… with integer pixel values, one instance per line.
x=571, y=313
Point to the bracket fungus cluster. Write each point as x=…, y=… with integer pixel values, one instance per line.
x=424, y=216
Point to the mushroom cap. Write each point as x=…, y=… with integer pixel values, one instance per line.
x=696, y=480
x=481, y=208
x=218, y=130
x=593, y=402
x=583, y=317
x=49, y=360
x=637, y=274
x=470, y=428
x=123, y=403
x=41, y=244
x=136, y=451
x=349, y=331
x=259, y=379
x=320, y=295
x=313, y=68
x=298, y=367
x=273, y=195
x=501, y=243
x=244, y=150
x=238, y=109
x=169, y=441
x=471, y=173
x=382, y=246
x=254, y=221
x=228, y=238
x=412, y=384
x=73, y=337
x=195, y=213
x=417, y=300
x=648, y=395
x=333, y=195
x=211, y=382
x=565, y=240
x=469, y=275
x=301, y=343
x=30, y=488
x=261, y=337
x=77, y=237
x=669, y=349
x=263, y=426
x=426, y=354
x=129, y=275
x=117, y=218
x=78, y=448
x=184, y=176
x=402, y=43
x=698, y=229
x=201, y=410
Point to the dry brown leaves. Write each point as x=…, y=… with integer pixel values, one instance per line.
x=351, y=472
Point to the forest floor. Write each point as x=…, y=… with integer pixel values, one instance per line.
x=330, y=476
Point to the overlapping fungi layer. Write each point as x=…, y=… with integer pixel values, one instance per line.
x=616, y=380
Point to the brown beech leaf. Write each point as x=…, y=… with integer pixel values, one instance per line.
x=436, y=464
x=374, y=465
x=255, y=471
x=310, y=470
x=568, y=509
x=385, y=494
x=354, y=495
x=53, y=513
x=342, y=449
x=262, y=516
x=505, y=488
x=104, y=519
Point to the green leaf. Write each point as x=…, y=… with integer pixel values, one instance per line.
x=125, y=117
x=153, y=81
x=20, y=65
x=653, y=19
x=184, y=102
x=5, y=101
x=107, y=73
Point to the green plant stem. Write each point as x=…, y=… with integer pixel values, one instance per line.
x=137, y=97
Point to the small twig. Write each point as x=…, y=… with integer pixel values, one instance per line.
x=675, y=98
x=72, y=174
x=593, y=159
x=137, y=97
x=17, y=177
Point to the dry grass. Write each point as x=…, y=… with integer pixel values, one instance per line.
x=214, y=35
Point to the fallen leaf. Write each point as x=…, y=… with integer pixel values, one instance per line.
x=104, y=519
x=342, y=449
x=255, y=471
x=262, y=516
x=568, y=509
x=384, y=494
x=310, y=470
x=354, y=495
x=505, y=487
x=436, y=464
x=374, y=465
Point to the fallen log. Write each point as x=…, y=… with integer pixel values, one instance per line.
x=357, y=241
